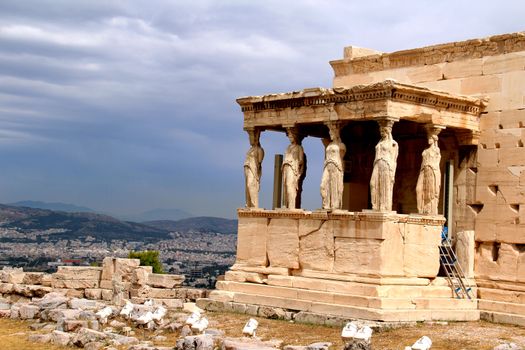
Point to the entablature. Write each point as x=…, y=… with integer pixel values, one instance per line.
x=363, y=102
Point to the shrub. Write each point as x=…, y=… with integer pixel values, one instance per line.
x=148, y=258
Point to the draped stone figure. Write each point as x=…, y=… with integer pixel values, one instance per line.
x=253, y=169
x=384, y=171
x=333, y=171
x=292, y=170
x=429, y=180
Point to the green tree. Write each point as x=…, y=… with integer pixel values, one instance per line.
x=148, y=258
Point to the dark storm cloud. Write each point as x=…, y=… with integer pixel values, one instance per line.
x=130, y=105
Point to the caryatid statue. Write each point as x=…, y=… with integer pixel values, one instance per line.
x=253, y=169
x=429, y=180
x=384, y=172
x=333, y=170
x=293, y=168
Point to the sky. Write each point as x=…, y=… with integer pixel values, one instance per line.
x=126, y=106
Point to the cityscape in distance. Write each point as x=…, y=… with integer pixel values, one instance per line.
x=40, y=236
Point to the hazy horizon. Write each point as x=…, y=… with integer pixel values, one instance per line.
x=128, y=106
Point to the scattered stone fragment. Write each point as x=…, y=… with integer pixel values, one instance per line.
x=86, y=335
x=60, y=338
x=40, y=338
x=319, y=346
x=358, y=344
x=185, y=331
x=95, y=345
x=508, y=346
x=245, y=344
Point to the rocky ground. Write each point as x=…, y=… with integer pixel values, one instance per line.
x=57, y=322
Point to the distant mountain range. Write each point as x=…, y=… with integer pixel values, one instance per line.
x=76, y=225
x=150, y=215
x=79, y=225
x=197, y=224
x=70, y=208
x=157, y=214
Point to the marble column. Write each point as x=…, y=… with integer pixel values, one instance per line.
x=384, y=170
x=333, y=169
x=253, y=169
x=429, y=181
x=293, y=169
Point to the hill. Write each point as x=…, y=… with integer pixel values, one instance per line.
x=71, y=208
x=196, y=224
x=64, y=225
x=157, y=214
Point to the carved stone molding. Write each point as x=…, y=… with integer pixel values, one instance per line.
x=362, y=102
x=494, y=45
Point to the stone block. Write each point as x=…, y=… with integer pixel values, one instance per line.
x=243, y=276
x=33, y=278
x=164, y=280
x=509, y=119
x=283, y=243
x=421, y=260
x=73, y=325
x=452, y=86
x=6, y=288
x=481, y=85
x=30, y=291
x=28, y=312
x=514, y=61
x=150, y=292
x=353, y=79
x=16, y=276
x=47, y=280
x=56, y=315
x=75, y=284
x=222, y=295
x=121, y=267
x=106, y=294
x=282, y=281
x=316, y=244
x=422, y=234
x=252, y=241
x=170, y=303
x=95, y=293
x=488, y=157
x=463, y=68
x=84, y=304
x=77, y=273
x=61, y=338
x=425, y=73
x=140, y=275
x=194, y=293
x=465, y=251
x=358, y=256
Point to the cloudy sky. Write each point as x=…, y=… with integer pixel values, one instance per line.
x=125, y=106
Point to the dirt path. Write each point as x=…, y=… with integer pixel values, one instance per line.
x=451, y=336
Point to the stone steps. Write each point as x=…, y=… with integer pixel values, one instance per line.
x=502, y=317
x=440, y=298
x=501, y=306
x=438, y=288
x=349, y=311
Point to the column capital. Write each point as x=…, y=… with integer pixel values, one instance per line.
x=386, y=120
x=434, y=129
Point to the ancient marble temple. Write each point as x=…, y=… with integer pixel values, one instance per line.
x=414, y=141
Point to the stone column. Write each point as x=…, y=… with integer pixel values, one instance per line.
x=333, y=171
x=384, y=171
x=253, y=169
x=293, y=169
x=429, y=180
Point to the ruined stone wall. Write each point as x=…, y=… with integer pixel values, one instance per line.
x=488, y=183
x=118, y=278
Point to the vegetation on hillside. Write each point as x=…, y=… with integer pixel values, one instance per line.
x=148, y=258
